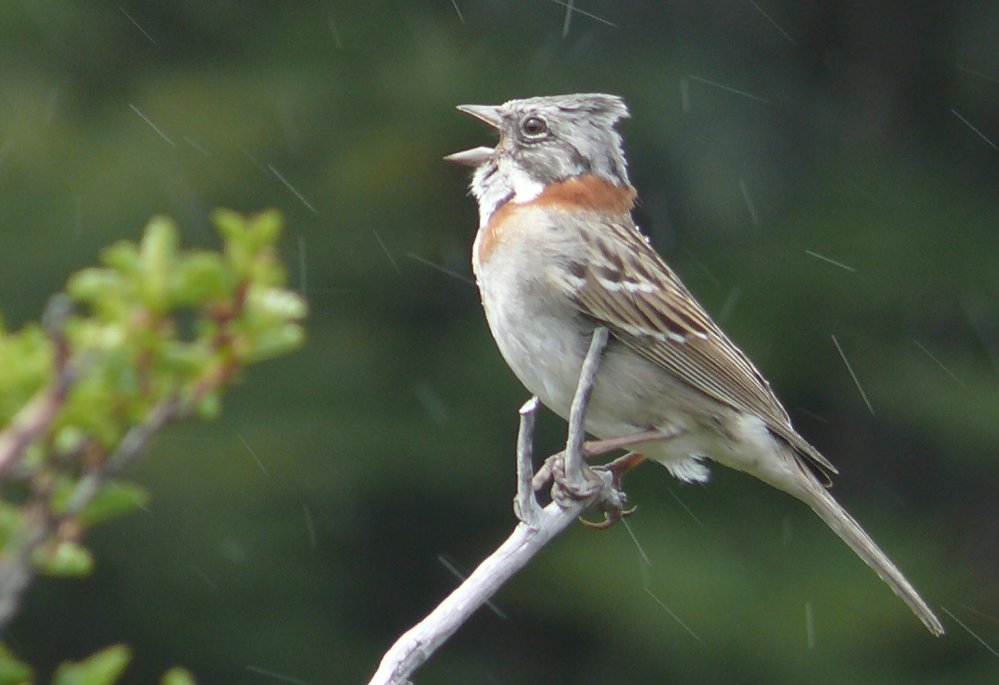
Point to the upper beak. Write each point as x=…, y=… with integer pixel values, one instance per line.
x=487, y=113
x=478, y=155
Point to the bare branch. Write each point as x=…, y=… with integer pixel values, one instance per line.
x=40, y=522
x=417, y=645
x=538, y=527
x=128, y=450
x=32, y=420
x=525, y=505
x=35, y=417
x=16, y=564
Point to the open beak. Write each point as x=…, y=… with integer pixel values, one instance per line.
x=477, y=156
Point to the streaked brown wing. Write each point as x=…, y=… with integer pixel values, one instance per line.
x=627, y=287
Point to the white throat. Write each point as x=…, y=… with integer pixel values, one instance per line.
x=525, y=188
x=498, y=182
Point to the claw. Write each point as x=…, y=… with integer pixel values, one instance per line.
x=613, y=502
x=611, y=516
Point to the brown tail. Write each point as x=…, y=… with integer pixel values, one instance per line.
x=836, y=517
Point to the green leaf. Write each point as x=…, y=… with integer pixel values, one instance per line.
x=203, y=276
x=278, y=303
x=275, y=342
x=230, y=224
x=103, y=668
x=67, y=560
x=12, y=671
x=175, y=676
x=184, y=359
x=209, y=406
x=248, y=241
x=25, y=367
x=114, y=499
x=123, y=256
x=265, y=228
x=159, y=260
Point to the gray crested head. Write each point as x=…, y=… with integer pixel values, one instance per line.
x=557, y=137
x=545, y=140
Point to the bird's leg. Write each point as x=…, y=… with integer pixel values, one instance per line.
x=574, y=480
x=622, y=465
x=597, y=448
x=571, y=478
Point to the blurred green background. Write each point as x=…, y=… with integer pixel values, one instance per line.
x=294, y=539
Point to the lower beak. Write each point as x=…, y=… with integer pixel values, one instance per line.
x=475, y=157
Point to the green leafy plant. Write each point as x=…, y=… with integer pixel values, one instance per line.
x=154, y=335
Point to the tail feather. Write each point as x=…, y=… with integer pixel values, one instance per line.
x=844, y=525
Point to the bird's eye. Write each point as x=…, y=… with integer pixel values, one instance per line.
x=534, y=126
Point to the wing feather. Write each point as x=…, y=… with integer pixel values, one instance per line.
x=629, y=288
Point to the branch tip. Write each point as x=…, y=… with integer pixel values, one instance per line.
x=530, y=406
x=525, y=505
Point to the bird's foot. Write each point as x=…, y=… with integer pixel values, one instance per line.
x=613, y=500
x=568, y=487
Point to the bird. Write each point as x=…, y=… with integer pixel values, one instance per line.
x=557, y=254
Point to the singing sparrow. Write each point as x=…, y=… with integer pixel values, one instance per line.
x=557, y=254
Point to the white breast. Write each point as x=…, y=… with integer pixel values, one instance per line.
x=531, y=322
